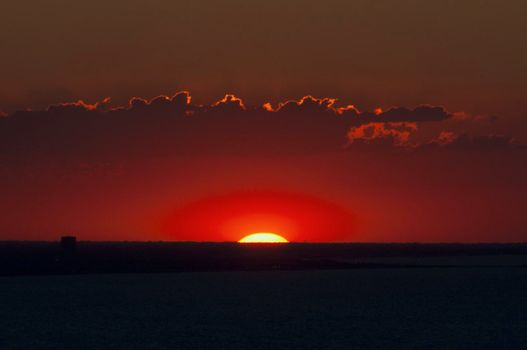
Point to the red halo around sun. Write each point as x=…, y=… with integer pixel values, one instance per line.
x=297, y=217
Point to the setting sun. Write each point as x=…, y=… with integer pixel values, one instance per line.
x=263, y=237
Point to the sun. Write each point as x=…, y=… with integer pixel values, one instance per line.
x=263, y=237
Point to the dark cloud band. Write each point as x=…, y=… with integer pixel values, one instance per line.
x=173, y=125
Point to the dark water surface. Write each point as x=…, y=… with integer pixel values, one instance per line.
x=419, y=308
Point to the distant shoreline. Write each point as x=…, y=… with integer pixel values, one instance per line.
x=88, y=257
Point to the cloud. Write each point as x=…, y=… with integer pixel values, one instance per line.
x=402, y=114
x=79, y=106
x=386, y=134
x=307, y=104
x=401, y=136
x=453, y=141
x=230, y=103
x=174, y=126
x=464, y=116
x=160, y=104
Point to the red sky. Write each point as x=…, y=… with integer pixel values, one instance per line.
x=168, y=169
x=417, y=130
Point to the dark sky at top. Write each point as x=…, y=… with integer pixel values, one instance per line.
x=467, y=55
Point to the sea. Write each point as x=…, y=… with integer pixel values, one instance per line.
x=467, y=307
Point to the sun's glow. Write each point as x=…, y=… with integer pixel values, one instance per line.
x=263, y=237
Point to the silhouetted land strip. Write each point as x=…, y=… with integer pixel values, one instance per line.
x=42, y=258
